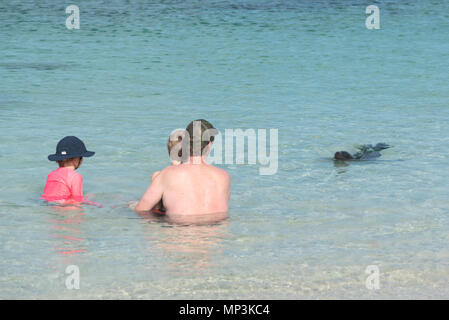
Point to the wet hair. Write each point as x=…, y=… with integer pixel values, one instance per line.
x=343, y=155
x=197, y=136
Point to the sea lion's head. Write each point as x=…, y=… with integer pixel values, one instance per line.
x=343, y=155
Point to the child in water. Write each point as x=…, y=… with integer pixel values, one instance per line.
x=175, y=155
x=65, y=186
x=174, y=139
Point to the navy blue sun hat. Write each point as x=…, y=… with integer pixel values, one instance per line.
x=70, y=147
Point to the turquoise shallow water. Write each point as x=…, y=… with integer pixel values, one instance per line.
x=137, y=70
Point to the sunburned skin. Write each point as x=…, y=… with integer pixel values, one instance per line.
x=194, y=187
x=188, y=189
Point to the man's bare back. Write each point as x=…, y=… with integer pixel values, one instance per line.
x=193, y=187
x=189, y=189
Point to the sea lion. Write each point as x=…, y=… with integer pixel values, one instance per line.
x=367, y=151
x=343, y=155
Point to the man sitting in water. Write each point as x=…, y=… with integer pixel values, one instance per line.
x=193, y=187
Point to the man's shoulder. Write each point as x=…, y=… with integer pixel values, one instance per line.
x=222, y=172
x=154, y=175
x=179, y=169
x=169, y=171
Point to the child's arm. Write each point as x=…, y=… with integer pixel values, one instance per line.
x=77, y=188
x=77, y=192
x=92, y=203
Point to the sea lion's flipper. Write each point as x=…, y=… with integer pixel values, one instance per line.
x=381, y=146
x=363, y=147
x=370, y=155
x=364, y=150
x=367, y=151
x=358, y=155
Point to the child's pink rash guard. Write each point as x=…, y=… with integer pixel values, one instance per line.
x=64, y=185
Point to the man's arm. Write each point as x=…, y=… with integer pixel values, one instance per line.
x=152, y=196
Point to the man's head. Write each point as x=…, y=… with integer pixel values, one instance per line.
x=201, y=133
